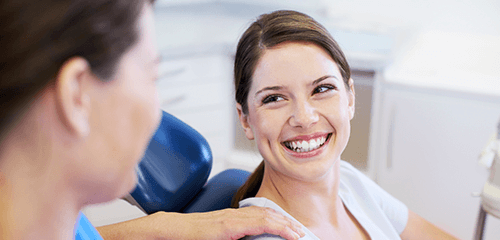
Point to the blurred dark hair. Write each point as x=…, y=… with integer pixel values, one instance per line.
x=266, y=32
x=37, y=37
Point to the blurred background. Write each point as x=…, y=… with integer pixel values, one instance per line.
x=427, y=79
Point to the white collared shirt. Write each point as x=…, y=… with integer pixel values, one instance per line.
x=379, y=213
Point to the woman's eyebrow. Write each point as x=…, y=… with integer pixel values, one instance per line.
x=317, y=81
x=268, y=88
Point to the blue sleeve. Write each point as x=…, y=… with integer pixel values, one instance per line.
x=84, y=229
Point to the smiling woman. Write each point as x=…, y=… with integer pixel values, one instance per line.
x=295, y=98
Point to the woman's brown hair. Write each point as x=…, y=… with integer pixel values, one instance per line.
x=266, y=32
x=37, y=37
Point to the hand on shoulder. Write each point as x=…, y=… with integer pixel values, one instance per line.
x=237, y=223
x=222, y=224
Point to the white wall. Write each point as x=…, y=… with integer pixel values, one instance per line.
x=472, y=16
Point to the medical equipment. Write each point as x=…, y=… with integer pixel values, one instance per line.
x=490, y=196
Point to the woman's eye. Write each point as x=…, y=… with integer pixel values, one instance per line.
x=323, y=88
x=272, y=98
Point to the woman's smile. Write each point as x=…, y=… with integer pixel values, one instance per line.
x=306, y=146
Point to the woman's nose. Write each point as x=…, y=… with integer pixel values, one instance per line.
x=303, y=115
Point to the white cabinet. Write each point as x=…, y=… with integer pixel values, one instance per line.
x=196, y=88
x=425, y=145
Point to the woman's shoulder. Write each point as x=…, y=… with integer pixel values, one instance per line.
x=259, y=202
x=264, y=202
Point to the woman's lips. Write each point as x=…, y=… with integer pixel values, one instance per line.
x=304, y=146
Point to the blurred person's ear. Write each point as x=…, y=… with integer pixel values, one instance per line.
x=73, y=101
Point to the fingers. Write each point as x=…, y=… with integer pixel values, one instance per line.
x=257, y=221
x=277, y=224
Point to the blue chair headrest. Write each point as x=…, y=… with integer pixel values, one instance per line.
x=174, y=169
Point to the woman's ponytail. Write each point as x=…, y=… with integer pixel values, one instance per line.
x=251, y=186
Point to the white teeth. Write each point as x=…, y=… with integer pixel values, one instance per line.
x=306, y=146
x=313, y=144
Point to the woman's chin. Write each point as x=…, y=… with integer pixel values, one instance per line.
x=312, y=166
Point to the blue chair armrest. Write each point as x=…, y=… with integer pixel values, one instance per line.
x=218, y=192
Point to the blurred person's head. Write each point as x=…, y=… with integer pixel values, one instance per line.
x=78, y=99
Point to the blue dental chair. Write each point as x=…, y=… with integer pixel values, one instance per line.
x=173, y=173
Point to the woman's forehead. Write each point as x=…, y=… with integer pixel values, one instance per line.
x=293, y=63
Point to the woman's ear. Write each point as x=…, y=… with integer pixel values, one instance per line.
x=351, y=95
x=244, y=122
x=73, y=101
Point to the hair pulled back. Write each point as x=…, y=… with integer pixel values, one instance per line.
x=37, y=37
x=266, y=32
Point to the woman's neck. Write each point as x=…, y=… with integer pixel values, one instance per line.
x=311, y=203
x=34, y=203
